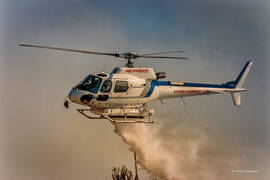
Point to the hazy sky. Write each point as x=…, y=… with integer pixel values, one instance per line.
x=41, y=140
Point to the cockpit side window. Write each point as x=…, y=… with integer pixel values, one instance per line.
x=91, y=83
x=106, y=87
x=121, y=86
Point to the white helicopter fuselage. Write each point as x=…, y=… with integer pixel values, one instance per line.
x=134, y=87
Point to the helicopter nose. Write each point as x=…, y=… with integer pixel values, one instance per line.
x=79, y=97
x=74, y=95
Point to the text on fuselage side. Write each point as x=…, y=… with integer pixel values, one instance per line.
x=189, y=91
x=137, y=70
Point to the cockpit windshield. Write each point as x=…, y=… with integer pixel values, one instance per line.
x=90, y=83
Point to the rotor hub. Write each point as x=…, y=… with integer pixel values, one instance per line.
x=129, y=56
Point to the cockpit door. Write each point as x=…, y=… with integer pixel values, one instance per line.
x=105, y=90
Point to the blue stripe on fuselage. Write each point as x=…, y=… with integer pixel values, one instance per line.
x=202, y=85
x=185, y=84
x=151, y=88
x=155, y=83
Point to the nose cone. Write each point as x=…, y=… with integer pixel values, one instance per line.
x=80, y=97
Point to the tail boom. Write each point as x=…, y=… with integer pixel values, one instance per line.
x=168, y=89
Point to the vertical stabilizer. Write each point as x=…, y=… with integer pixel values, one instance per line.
x=243, y=75
x=236, y=96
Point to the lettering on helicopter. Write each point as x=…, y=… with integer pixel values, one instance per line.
x=186, y=91
x=136, y=70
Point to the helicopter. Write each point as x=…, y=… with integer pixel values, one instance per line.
x=122, y=96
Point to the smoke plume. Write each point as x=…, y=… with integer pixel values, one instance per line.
x=186, y=152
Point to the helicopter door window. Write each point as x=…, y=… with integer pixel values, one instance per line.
x=121, y=86
x=106, y=87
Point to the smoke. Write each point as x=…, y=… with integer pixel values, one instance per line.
x=184, y=152
x=152, y=155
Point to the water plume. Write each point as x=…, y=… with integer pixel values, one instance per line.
x=180, y=153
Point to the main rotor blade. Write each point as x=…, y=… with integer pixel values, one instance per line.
x=163, y=52
x=70, y=50
x=161, y=57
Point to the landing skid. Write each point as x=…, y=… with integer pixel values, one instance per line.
x=117, y=119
